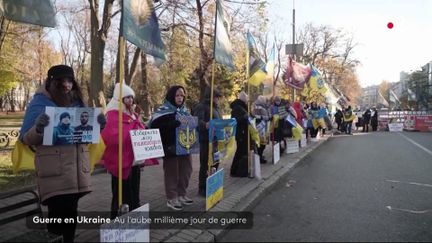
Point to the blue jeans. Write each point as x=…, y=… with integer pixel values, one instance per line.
x=348, y=127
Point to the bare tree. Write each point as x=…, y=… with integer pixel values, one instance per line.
x=98, y=37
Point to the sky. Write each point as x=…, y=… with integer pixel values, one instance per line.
x=383, y=52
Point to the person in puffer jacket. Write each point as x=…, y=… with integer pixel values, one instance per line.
x=63, y=170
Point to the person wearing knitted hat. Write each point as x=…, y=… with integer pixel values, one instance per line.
x=239, y=111
x=260, y=112
x=131, y=173
x=63, y=170
x=63, y=133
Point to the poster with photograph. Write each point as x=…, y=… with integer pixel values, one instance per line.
x=71, y=125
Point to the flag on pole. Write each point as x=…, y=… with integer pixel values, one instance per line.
x=222, y=48
x=257, y=67
x=140, y=26
x=38, y=12
x=268, y=81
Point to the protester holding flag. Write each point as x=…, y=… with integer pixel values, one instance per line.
x=314, y=116
x=62, y=171
x=262, y=117
x=239, y=166
x=348, y=118
x=131, y=174
x=202, y=111
x=177, y=168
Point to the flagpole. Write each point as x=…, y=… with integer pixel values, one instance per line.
x=120, y=116
x=248, y=110
x=210, y=148
x=271, y=110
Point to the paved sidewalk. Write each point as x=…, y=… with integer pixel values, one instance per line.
x=239, y=195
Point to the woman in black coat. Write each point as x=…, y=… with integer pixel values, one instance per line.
x=239, y=167
x=374, y=119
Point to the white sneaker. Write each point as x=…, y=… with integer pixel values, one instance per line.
x=185, y=200
x=174, y=204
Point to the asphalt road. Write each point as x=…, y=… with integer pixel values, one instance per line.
x=366, y=187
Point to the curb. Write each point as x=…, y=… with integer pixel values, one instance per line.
x=249, y=200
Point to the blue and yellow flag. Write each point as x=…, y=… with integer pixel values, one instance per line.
x=222, y=136
x=140, y=26
x=38, y=12
x=23, y=156
x=222, y=47
x=257, y=67
x=315, y=89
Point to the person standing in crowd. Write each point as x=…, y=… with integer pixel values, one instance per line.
x=279, y=108
x=366, y=120
x=63, y=132
x=297, y=106
x=323, y=118
x=61, y=182
x=177, y=168
x=131, y=173
x=338, y=118
x=261, y=114
x=202, y=111
x=374, y=119
x=348, y=117
x=239, y=166
x=313, y=114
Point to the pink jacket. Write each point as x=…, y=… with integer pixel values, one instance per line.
x=110, y=137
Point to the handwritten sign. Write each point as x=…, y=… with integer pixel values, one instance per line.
x=146, y=144
x=123, y=228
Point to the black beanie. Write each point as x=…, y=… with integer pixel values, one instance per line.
x=63, y=115
x=58, y=72
x=61, y=71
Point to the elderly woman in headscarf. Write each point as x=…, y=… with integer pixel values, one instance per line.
x=177, y=168
x=262, y=117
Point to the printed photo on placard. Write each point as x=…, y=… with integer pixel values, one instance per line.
x=71, y=126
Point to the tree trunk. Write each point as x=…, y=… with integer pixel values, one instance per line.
x=205, y=61
x=98, y=38
x=145, y=99
x=4, y=25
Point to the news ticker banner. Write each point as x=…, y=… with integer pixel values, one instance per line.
x=155, y=220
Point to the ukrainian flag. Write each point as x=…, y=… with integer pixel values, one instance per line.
x=257, y=67
x=23, y=156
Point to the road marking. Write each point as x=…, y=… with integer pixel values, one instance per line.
x=415, y=143
x=411, y=183
x=408, y=210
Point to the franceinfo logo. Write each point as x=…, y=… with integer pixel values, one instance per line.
x=146, y=220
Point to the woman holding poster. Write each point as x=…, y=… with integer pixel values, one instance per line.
x=131, y=174
x=62, y=170
x=177, y=168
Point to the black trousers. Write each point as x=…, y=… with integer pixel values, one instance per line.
x=130, y=191
x=260, y=150
x=63, y=206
